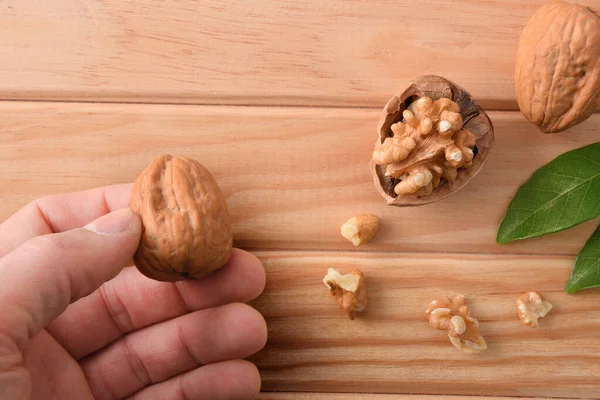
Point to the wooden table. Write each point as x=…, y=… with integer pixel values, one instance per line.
x=280, y=100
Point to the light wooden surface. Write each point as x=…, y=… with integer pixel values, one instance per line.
x=312, y=52
x=292, y=176
x=390, y=348
x=280, y=99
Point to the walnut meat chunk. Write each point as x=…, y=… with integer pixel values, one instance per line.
x=452, y=315
x=428, y=146
x=360, y=229
x=530, y=307
x=349, y=290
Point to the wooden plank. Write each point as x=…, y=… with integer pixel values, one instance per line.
x=390, y=348
x=367, y=396
x=292, y=176
x=353, y=53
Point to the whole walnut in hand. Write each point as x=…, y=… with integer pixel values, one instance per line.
x=186, y=226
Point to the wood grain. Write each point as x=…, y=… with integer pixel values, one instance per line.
x=292, y=176
x=286, y=98
x=390, y=348
x=353, y=53
x=367, y=396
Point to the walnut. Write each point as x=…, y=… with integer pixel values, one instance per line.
x=433, y=138
x=186, y=227
x=429, y=145
x=360, y=229
x=349, y=290
x=530, y=307
x=557, y=67
x=453, y=316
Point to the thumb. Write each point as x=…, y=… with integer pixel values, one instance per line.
x=44, y=275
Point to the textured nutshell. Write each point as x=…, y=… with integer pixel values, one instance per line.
x=474, y=119
x=557, y=71
x=186, y=226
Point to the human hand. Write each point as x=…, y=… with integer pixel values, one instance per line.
x=75, y=324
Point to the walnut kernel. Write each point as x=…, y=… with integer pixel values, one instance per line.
x=360, y=229
x=453, y=316
x=530, y=307
x=349, y=290
x=430, y=145
x=432, y=139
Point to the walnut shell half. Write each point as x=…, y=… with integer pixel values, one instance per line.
x=557, y=67
x=186, y=226
x=474, y=120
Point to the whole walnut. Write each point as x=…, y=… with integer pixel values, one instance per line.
x=557, y=71
x=186, y=227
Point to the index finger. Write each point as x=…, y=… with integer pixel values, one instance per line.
x=61, y=212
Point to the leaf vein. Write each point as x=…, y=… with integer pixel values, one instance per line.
x=583, y=201
x=561, y=211
x=563, y=175
x=592, y=161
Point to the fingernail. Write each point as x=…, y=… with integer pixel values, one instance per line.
x=115, y=222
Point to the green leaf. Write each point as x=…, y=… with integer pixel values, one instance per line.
x=586, y=272
x=563, y=193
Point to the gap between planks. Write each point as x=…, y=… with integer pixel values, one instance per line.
x=246, y=105
x=191, y=104
x=359, y=252
x=377, y=396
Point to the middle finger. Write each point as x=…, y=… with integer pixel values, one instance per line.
x=131, y=301
x=165, y=350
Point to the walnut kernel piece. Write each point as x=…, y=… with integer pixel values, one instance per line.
x=349, y=290
x=530, y=307
x=453, y=316
x=468, y=346
x=433, y=138
x=186, y=228
x=360, y=229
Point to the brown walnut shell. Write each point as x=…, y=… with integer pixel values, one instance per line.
x=474, y=119
x=186, y=227
x=557, y=71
